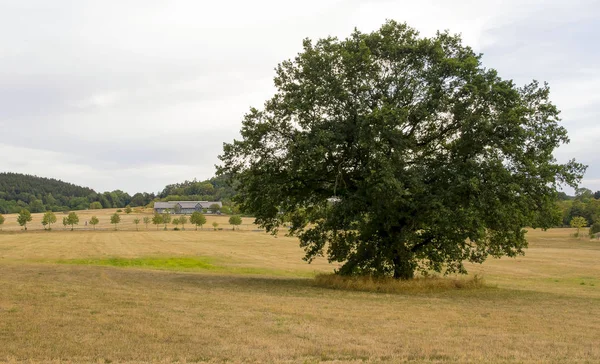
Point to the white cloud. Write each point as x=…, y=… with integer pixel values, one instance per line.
x=135, y=94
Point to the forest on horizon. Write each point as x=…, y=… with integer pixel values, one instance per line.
x=38, y=194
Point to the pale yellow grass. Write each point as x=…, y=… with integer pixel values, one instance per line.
x=536, y=308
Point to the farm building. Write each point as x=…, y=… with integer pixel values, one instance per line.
x=185, y=207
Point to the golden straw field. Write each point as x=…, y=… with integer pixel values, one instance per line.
x=245, y=296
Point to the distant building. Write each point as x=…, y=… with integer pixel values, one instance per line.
x=186, y=207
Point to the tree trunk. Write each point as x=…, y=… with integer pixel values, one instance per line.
x=404, y=268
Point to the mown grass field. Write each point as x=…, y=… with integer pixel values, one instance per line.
x=244, y=296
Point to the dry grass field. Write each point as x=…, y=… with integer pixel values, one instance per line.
x=245, y=296
x=126, y=221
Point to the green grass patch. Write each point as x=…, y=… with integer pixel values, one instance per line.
x=185, y=264
x=181, y=263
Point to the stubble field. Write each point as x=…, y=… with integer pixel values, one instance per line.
x=245, y=296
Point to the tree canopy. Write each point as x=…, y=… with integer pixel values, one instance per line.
x=183, y=220
x=94, y=221
x=157, y=219
x=24, y=217
x=49, y=219
x=578, y=222
x=235, y=220
x=394, y=153
x=198, y=219
x=136, y=221
x=115, y=219
x=72, y=219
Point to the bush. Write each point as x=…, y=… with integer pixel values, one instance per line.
x=594, y=229
x=119, y=210
x=391, y=285
x=95, y=205
x=176, y=229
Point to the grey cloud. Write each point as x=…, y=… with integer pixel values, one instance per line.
x=136, y=94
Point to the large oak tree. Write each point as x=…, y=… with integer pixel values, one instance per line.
x=394, y=153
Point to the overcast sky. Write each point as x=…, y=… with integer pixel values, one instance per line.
x=137, y=94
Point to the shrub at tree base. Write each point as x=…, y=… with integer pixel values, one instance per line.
x=390, y=285
x=393, y=153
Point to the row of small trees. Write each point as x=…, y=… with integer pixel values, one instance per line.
x=72, y=219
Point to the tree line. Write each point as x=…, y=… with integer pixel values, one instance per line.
x=580, y=211
x=38, y=194
x=585, y=203
x=49, y=218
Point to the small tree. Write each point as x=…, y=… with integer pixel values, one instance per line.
x=177, y=208
x=166, y=218
x=48, y=219
x=65, y=222
x=183, y=220
x=215, y=207
x=72, y=219
x=95, y=205
x=128, y=209
x=215, y=224
x=235, y=220
x=94, y=221
x=1, y=221
x=136, y=221
x=23, y=218
x=115, y=219
x=146, y=221
x=157, y=219
x=198, y=219
x=578, y=222
x=176, y=223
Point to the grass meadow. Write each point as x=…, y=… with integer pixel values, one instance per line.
x=245, y=296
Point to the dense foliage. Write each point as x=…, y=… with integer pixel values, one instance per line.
x=585, y=204
x=38, y=194
x=214, y=189
x=396, y=153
